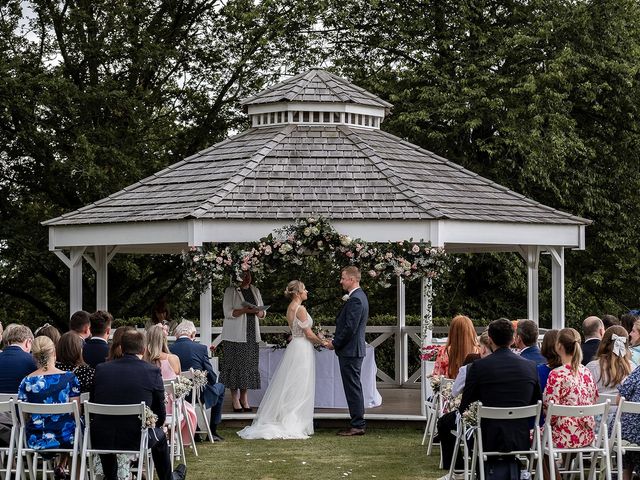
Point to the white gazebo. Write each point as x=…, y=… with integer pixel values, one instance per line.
x=315, y=147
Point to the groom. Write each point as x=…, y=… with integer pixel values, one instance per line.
x=349, y=345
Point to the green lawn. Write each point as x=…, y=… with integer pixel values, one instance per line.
x=383, y=453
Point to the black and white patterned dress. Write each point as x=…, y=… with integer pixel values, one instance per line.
x=239, y=368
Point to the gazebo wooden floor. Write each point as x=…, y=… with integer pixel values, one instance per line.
x=398, y=404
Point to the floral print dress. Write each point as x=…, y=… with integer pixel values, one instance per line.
x=630, y=390
x=50, y=431
x=565, y=388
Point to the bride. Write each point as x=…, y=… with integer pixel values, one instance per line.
x=286, y=410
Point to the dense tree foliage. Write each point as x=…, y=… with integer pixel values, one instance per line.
x=541, y=96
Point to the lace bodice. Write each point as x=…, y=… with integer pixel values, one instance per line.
x=298, y=326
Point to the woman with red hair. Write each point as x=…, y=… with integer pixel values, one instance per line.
x=462, y=341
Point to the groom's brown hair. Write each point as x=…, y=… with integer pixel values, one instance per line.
x=352, y=272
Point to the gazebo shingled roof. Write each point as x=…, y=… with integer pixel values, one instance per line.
x=339, y=171
x=316, y=86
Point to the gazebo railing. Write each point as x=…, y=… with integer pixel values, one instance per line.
x=382, y=334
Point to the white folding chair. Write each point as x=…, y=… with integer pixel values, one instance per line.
x=5, y=397
x=143, y=453
x=173, y=422
x=7, y=454
x=201, y=408
x=428, y=399
x=619, y=446
x=531, y=455
x=598, y=450
x=462, y=432
x=25, y=412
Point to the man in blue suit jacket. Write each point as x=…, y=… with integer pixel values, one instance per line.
x=349, y=344
x=15, y=363
x=96, y=349
x=194, y=355
x=503, y=379
x=527, y=341
x=130, y=380
x=15, y=360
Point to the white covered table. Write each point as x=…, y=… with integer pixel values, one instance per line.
x=329, y=391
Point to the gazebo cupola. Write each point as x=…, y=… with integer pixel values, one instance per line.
x=316, y=97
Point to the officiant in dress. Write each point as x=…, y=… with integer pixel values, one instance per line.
x=240, y=337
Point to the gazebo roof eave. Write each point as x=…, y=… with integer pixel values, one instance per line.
x=173, y=236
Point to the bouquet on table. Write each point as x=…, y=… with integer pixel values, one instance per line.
x=429, y=353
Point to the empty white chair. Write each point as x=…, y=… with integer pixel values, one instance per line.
x=25, y=412
x=598, y=450
x=143, y=453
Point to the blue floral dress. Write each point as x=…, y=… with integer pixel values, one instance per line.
x=50, y=431
x=630, y=390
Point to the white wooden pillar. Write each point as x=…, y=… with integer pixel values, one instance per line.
x=205, y=316
x=75, y=280
x=557, y=287
x=100, y=263
x=402, y=339
x=101, y=268
x=532, y=256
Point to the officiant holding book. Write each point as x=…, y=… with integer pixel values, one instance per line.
x=242, y=306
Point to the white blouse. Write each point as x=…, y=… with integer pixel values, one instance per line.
x=234, y=329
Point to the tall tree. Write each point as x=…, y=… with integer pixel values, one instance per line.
x=98, y=94
x=540, y=96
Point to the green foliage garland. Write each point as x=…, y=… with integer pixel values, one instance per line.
x=313, y=236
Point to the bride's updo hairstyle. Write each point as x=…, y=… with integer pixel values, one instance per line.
x=293, y=287
x=43, y=351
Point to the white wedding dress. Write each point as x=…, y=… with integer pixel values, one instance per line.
x=286, y=410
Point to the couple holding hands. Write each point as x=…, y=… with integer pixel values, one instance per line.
x=286, y=410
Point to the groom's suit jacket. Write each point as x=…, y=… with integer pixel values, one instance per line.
x=351, y=322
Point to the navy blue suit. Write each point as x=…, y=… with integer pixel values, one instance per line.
x=349, y=344
x=128, y=380
x=15, y=364
x=533, y=353
x=194, y=355
x=589, y=349
x=503, y=379
x=95, y=351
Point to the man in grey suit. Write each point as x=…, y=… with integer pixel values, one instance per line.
x=349, y=344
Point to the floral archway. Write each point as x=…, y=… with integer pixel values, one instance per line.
x=315, y=236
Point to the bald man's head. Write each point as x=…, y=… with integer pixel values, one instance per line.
x=592, y=327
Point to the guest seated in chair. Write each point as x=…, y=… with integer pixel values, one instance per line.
x=49, y=385
x=503, y=379
x=157, y=353
x=527, y=341
x=96, y=349
x=129, y=380
x=461, y=342
x=69, y=358
x=570, y=384
x=193, y=355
